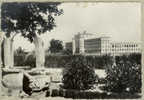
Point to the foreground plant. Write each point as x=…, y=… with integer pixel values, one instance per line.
x=125, y=76
x=78, y=74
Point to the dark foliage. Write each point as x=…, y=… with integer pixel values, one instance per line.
x=125, y=76
x=22, y=60
x=99, y=62
x=55, y=46
x=30, y=61
x=67, y=52
x=27, y=18
x=56, y=61
x=135, y=57
x=59, y=61
x=76, y=94
x=78, y=74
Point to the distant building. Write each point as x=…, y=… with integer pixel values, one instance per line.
x=118, y=48
x=68, y=46
x=100, y=44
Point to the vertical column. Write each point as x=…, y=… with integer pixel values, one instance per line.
x=81, y=44
x=73, y=46
x=102, y=46
x=108, y=45
x=105, y=44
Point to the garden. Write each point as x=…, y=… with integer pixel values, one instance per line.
x=77, y=78
x=66, y=75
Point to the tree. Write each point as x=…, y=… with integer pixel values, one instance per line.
x=31, y=20
x=78, y=74
x=55, y=46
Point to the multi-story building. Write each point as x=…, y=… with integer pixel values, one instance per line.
x=119, y=48
x=100, y=44
x=68, y=45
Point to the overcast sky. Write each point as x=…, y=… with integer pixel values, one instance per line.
x=119, y=20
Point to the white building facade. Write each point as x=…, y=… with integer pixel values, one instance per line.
x=100, y=44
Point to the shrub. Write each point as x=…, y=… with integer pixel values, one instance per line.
x=58, y=61
x=125, y=76
x=19, y=60
x=22, y=60
x=67, y=52
x=30, y=61
x=133, y=58
x=78, y=74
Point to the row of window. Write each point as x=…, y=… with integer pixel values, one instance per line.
x=126, y=45
x=109, y=49
x=90, y=51
x=127, y=50
x=92, y=46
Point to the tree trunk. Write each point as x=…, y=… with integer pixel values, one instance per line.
x=12, y=53
x=1, y=65
x=8, y=53
x=39, y=52
x=1, y=40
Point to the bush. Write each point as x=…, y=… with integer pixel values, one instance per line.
x=19, y=60
x=125, y=76
x=78, y=74
x=59, y=61
x=30, y=61
x=99, y=62
x=133, y=58
x=22, y=60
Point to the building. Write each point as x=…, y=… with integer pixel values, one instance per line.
x=100, y=44
x=68, y=46
x=119, y=48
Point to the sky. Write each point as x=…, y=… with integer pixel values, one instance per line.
x=121, y=21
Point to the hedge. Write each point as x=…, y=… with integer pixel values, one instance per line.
x=59, y=61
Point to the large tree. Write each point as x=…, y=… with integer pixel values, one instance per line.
x=55, y=46
x=30, y=20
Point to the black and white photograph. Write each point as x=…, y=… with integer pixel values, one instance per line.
x=69, y=50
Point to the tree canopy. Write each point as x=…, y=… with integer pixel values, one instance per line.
x=55, y=46
x=29, y=19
